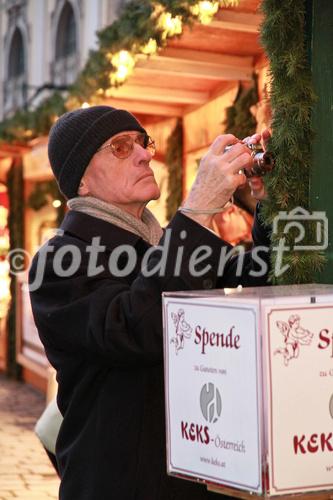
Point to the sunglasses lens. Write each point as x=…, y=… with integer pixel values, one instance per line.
x=122, y=147
x=146, y=142
x=150, y=145
x=142, y=140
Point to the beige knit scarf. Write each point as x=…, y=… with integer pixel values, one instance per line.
x=147, y=227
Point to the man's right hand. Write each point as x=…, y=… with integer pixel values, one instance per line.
x=218, y=177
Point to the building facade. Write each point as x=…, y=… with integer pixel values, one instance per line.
x=44, y=44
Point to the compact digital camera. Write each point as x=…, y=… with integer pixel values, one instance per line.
x=263, y=161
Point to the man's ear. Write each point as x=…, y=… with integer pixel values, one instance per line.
x=83, y=188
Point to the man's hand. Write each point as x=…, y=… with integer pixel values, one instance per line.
x=256, y=183
x=218, y=177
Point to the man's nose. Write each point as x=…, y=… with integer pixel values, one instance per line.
x=142, y=153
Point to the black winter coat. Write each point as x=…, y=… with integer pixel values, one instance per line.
x=103, y=334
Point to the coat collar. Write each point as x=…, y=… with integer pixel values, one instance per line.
x=86, y=227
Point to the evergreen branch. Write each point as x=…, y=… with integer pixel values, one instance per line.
x=292, y=100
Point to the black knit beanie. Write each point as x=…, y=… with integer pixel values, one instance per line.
x=77, y=135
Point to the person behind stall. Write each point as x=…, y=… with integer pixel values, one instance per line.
x=96, y=297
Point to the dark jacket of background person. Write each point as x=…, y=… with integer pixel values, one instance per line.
x=103, y=335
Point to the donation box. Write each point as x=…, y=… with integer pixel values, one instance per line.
x=249, y=389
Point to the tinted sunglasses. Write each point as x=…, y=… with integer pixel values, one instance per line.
x=122, y=146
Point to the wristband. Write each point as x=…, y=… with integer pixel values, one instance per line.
x=206, y=211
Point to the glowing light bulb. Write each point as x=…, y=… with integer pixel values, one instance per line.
x=123, y=62
x=150, y=47
x=205, y=10
x=169, y=25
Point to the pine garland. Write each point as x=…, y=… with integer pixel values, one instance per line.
x=174, y=161
x=26, y=125
x=239, y=120
x=292, y=99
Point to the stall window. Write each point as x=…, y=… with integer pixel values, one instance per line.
x=65, y=66
x=15, y=85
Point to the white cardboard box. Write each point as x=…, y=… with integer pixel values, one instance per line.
x=249, y=388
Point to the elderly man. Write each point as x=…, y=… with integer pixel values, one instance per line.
x=96, y=297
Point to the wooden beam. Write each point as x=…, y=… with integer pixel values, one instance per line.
x=145, y=107
x=206, y=58
x=160, y=95
x=196, y=65
x=237, y=21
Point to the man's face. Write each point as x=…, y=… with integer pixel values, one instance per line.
x=128, y=183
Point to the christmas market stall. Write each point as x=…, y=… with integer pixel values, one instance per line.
x=191, y=71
